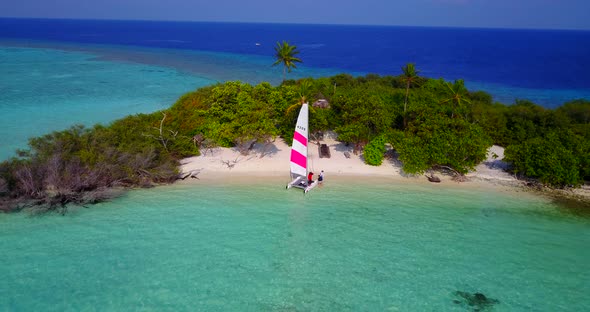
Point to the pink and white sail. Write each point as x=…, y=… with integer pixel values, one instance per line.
x=299, y=147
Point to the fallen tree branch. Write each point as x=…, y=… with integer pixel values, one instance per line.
x=230, y=163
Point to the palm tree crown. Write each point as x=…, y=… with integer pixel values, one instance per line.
x=457, y=94
x=286, y=55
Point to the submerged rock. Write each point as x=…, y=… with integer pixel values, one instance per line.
x=477, y=301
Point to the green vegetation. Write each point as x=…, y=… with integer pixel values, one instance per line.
x=429, y=122
x=409, y=77
x=374, y=151
x=286, y=55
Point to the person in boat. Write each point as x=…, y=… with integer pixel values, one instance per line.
x=321, y=176
x=310, y=178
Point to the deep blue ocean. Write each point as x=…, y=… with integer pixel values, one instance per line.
x=548, y=67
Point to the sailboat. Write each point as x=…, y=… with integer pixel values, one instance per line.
x=298, y=162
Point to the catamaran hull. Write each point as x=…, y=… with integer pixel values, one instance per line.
x=311, y=186
x=301, y=184
x=295, y=183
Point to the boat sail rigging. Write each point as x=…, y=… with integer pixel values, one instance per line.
x=298, y=161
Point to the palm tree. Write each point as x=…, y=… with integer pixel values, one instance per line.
x=285, y=55
x=457, y=94
x=409, y=76
x=305, y=86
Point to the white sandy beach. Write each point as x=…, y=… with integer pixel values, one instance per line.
x=228, y=164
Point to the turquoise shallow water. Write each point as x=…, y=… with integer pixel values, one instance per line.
x=52, y=86
x=43, y=90
x=342, y=247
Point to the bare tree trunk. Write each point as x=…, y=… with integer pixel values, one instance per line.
x=161, y=138
x=3, y=186
x=26, y=179
x=284, y=73
x=53, y=178
x=406, y=103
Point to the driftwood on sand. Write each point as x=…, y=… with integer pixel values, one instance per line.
x=193, y=174
x=456, y=175
x=230, y=163
x=433, y=178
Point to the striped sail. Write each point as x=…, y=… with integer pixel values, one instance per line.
x=299, y=147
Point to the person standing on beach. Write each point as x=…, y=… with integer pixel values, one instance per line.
x=321, y=176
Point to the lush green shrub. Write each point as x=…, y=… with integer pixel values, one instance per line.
x=442, y=141
x=545, y=158
x=374, y=151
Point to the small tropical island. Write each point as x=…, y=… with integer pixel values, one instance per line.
x=421, y=125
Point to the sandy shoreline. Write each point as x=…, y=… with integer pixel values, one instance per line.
x=271, y=163
x=220, y=164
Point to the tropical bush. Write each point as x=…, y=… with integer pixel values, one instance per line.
x=375, y=151
x=545, y=158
